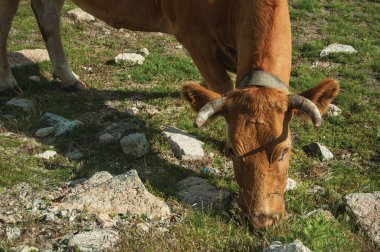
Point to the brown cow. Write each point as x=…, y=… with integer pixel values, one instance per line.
x=248, y=37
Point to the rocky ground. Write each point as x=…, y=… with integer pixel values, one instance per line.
x=124, y=170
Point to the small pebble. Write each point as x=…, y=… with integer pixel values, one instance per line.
x=35, y=78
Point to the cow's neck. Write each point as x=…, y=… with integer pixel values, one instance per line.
x=269, y=40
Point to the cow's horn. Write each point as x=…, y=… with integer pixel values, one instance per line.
x=208, y=110
x=304, y=104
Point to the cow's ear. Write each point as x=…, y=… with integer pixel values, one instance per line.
x=322, y=94
x=198, y=96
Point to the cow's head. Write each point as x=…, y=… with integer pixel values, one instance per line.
x=259, y=139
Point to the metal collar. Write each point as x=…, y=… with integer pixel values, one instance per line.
x=259, y=78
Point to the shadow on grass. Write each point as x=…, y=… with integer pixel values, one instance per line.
x=158, y=174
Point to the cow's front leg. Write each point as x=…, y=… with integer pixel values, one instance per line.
x=48, y=15
x=203, y=52
x=7, y=11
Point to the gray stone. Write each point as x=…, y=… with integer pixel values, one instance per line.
x=76, y=182
x=97, y=240
x=365, y=207
x=132, y=111
x=184, y=146
x=295, y=246
x=78, y=15
x=334, y=110
x=291, y=185
x=124, y=194
x=44, y=132
x=24, y=104
x=47, y=154
x=337, y=48
x=74, y=155
x=198, y=193
x=27, y=57
x=107, y=138
x=135, y=145
x=316, y=149
x=129, y=59
x=62, y=125
x=12, y=233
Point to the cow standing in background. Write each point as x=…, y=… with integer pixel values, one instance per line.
x=251, y=38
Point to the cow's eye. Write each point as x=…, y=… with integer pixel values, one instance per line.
x=283, y=154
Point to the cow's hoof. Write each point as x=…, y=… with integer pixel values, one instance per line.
x=76, y=87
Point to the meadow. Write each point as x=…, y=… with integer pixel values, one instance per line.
x=353, y=137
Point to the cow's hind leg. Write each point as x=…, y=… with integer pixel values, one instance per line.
x=48, y=15
x=7, y=11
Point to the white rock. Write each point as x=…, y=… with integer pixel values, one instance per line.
x=12, y=233
x=144, y=51
x=36, y=202
x=27, y=57
x=124, y=194
x=135, y=145
x=151, y=110
x=317, y=189
x=184, y=146
x=295, y=246
x=62, y=125
x=317, y=149
x=145, y=227
x=198, y=193
x=327, y=214
x=365, y=207
x=47, y=154
x=35, y=78
x=129, y=59
x=25, y=248
x=179, y=46
x=78, y=15
x=291, y=185
x=107, y=138
x=334, y=110
x=97, y=240
x=24, y=104
x=87, y=69
x=49, y=217
x=106, y=221
x=337, y=48
x=44, y=132
x=162, y=230
x=74, y=155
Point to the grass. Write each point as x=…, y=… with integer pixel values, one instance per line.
x=157, y=82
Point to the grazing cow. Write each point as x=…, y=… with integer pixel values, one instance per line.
x=251, y=38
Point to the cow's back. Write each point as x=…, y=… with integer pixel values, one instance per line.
x=139, y=15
